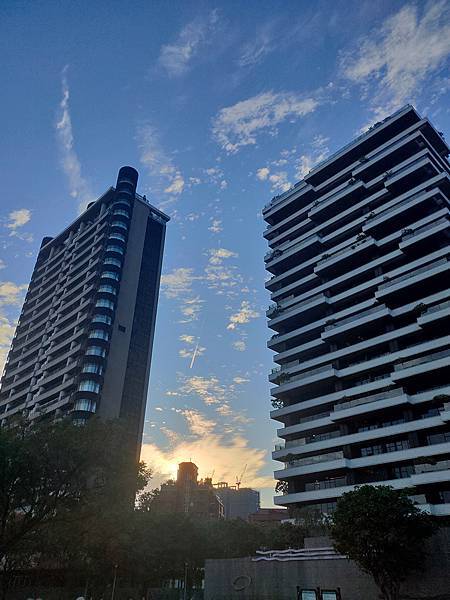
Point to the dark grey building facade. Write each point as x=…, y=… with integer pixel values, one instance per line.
x=360, y=279
x=83, y=342
x=238, y=503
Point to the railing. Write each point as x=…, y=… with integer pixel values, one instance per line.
x=350, y=183
x=277, y=308
x=437, y=307
x=357, y=139
x=414, y=273
x=388, y=211
x=315, y=417
x=354, y=317
x=307, y=374
x=344, y=250
x=368, y=399
x=285, y=194
x=312, y=460
x=426, y=227
x=325, y=485
x=284, y=367
x=442, y=465
x=422, y=360
x=406, y=167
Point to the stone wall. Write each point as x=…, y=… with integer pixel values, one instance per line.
x=272, y=580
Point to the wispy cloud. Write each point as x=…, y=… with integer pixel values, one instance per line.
x=167, y=177
x=255, y=50
x=7, y=329
x=78, y=186
x=239, y=125
x=393, y=63
x=11, y=295
x=318, y=152
x=177, y=57
x=244, y=315
x=16, y=220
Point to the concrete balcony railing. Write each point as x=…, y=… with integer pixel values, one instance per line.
x=277, y=310
x=313, y=460
x=369, y=399
x=437, y=307
x=278, y=252
x=411, y=274
x=422, y=360
x=442, y=465
x=286, y=378
x=411, y=234
x=354, y=317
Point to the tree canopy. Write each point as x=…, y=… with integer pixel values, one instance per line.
x=383, y=531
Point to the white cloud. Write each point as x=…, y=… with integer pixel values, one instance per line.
x=239, y=345
x=175, y=58
x=218, y=255
x=279, y=181
x=177, y=185
x=308, y=160
x=255, y=50
x=178, y=282
x=190, y=309
x=78, y=186
x=240, y=380
x=263, y=173
x=11, y=293
x=188, y=339
x=167, y=177
x=216, y=226
x=7, y=329
x=244, y=315
x=394, y=61
x=18, y=218
x=239, y=125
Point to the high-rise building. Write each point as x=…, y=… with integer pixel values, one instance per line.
x=238, y=502
x=360, y=265
x=188, y=495
x=84, y=338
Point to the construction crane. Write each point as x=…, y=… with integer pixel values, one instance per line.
x=239, y=479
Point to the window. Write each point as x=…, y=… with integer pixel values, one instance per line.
x=99, y=334
x=96, y=351
x=119, y=224
x=85, y=405
x=110, y=275
x=107, y=288
x=398, y=445
x=121, y=211
x=92, y=368
x=372, y=450
x=117, y=249
x=404, y=471
x=104, y=303
x=89, y=386
x=438, y=438
x=122, y=328
x=112, y=261
x=102, y=319
x=117, y=236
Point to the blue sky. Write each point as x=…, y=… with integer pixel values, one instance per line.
x=219, y=105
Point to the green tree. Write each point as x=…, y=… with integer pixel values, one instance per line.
x=383, y=531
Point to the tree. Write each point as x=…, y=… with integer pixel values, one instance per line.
x=65, y=494
x=383, y=531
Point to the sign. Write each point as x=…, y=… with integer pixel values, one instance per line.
x=329, y=595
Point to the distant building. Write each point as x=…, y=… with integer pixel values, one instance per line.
x=84, y=339
x=187, y=495
x=238, y=503
x=269, y=515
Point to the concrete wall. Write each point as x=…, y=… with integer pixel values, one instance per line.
x=278, y=580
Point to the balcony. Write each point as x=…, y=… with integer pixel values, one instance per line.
x=277, y=310
x=284, y=378
x=396, y=393
x=432, y=268
x=285, y=252
x=423, y=360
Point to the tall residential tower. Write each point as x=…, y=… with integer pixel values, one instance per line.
x=83, y=341
x=360, y=264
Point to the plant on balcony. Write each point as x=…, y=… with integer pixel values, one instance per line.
x=361, y=236
x=383, y=531
x=419, y=309
x=277, y=404
x=407, y=231
x=282, y=378
x=281, y=487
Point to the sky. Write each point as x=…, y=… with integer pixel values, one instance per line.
x=219, y=106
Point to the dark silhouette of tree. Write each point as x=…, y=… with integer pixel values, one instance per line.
x=383, y=531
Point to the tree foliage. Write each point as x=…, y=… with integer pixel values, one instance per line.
x=383, y=531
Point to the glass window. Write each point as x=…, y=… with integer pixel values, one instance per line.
x=110, y=275
x=117, y=249
x=119, y=224
x=86, y=405
x=102, y=319
x=110, y=260
x=107, y=288
x=96, y=351
x=104, y=303
x=92, y=368
x=99, y=334
x=117, y=236
x=404, y=471
x=122, y=201
x=89, y=386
